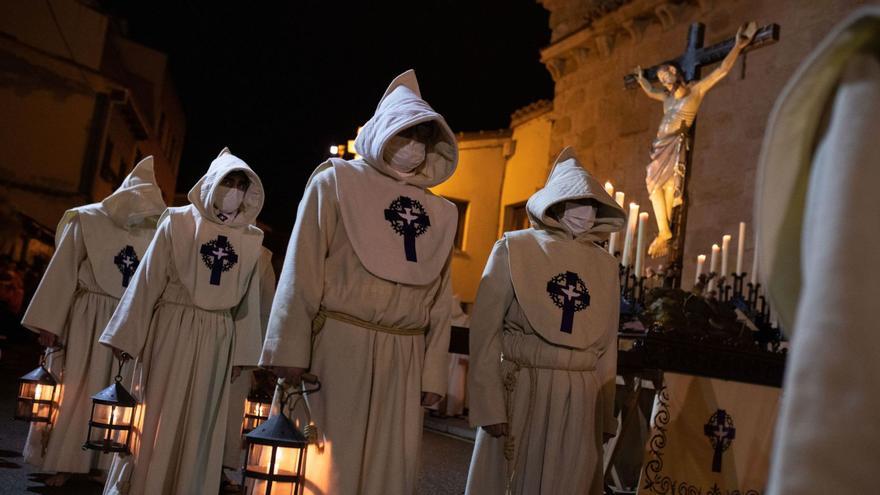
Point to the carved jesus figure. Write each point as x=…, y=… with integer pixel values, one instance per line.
x=681, y=100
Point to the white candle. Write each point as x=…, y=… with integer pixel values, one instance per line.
x=615, y=236
x=740, y=247
x=725, y=254
x=630, y=230
x=754, y=277
x=640, y=243
x=713, y=265
x=701, y=260
x=609, y=188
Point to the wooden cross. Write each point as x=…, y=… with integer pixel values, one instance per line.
x=695, y=57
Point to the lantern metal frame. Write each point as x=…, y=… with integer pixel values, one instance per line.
x=38, y=377
x=115, y=396
x=280, y=432
x=255, y=397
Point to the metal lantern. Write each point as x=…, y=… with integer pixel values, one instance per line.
x=37, y=394
x=256, y=410
x=112, y=418
x=275, y=453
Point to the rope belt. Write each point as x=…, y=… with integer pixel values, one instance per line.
x=511, y=455
x=221, y=312
x=323, y=314
x=85, y=290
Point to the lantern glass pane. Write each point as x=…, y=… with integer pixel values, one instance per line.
x=115, y=415
x=27, y=390
x=287, y=460
x=258, y=487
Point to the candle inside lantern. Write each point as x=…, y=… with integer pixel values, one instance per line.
x=740, y=247
x=725, y=254
x=630, y=231
x=640, y=243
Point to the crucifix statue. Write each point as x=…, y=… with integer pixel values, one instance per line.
x=682, y=91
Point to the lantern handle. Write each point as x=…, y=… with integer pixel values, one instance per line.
x=48, y=352
x=122, y=359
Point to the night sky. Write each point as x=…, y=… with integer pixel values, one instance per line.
x=279, y=82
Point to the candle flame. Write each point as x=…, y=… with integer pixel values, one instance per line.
x=701, y=258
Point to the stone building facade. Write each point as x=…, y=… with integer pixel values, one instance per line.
x=595, y=43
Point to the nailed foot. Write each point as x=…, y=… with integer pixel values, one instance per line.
x=660, y=246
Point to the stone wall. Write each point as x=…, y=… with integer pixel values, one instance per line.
x=612, y=127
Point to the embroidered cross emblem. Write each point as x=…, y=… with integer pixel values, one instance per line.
x=219, y=256
x=569, y=293
x=408, y=219
x=721, y=433
x=127, y=261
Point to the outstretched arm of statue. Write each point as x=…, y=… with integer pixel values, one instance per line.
x=647, y=87
x=744, y=36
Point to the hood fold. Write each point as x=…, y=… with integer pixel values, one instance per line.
x=570, y=181
x=402, y=107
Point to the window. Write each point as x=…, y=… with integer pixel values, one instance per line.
x=462, y=207
x=515, y=217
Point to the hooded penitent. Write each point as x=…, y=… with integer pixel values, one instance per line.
x=409, y=231
x=551, y=258
x=97, y=250
x=819, y=234
x=543, y=344
x=191, y=313
x=364, y=297
x=117, y=230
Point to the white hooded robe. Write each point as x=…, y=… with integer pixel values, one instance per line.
x=543, y=341
x=191, y=313
x=819, y=234
x=346, y=256
x=97, y=249
x=241, y=387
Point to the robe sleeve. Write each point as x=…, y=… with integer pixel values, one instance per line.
x=435, y=373
x=49, y=308
x=301, y=286
x=130, y=324
x=248, y=323
x=485, y=382
x=606, y=368
x=267, y=291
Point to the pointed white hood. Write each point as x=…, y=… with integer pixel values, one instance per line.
x=570, y=181
x=215, y=260
x=402, y=107
x=138, y=196
x=120, y=226
x=202, y=194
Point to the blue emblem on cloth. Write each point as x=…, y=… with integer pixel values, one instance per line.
x=721, y=433
x=219, y=256
x=408, y=219
x=127, y=261
x=570, y=294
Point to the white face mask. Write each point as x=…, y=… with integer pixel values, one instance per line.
x=578, y=218
x=404, y=154
x=228, y=201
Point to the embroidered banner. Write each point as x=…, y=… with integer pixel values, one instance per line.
x=709, y=437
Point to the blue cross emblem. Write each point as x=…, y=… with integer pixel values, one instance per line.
x=127, y=261
x=219, y=256
x=721, y=433
x=409, y=219
x=570, y=294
